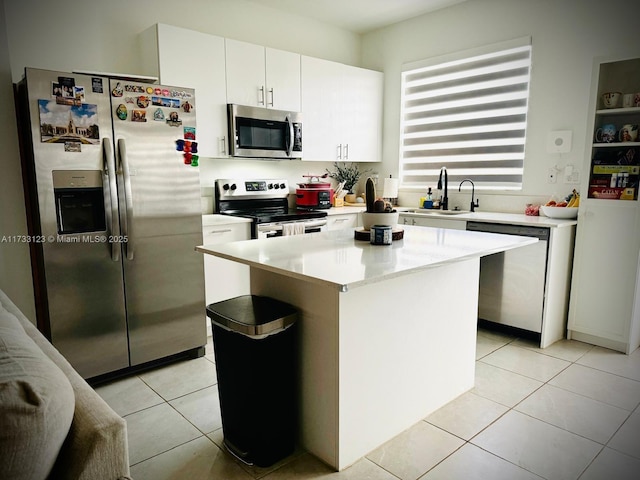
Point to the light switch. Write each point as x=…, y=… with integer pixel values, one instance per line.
x=559, y=141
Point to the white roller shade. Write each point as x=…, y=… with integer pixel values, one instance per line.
x=468, y=114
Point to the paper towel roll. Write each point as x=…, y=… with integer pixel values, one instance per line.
x=390, y=188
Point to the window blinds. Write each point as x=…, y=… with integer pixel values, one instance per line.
x=469, y=115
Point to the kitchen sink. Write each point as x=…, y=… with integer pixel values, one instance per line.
x=426, y=211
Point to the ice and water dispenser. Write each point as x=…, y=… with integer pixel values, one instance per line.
x=79, y=201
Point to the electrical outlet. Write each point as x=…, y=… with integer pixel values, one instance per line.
x=552, y=176
x=573, y=178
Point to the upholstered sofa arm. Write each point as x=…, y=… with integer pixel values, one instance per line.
x=96, y=444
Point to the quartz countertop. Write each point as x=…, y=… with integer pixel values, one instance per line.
x=493, y=217
x=335, y=258
x=479, y=216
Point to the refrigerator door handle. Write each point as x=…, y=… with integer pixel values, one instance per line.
x=109, y=168
x=128, y=199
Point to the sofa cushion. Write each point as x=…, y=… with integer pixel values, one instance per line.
x=36, y=405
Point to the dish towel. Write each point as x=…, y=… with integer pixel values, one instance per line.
x=292, y=229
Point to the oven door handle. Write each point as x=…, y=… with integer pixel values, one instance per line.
x=315, y=223
x=277, y=227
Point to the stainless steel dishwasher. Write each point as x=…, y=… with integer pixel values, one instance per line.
x=512, y=283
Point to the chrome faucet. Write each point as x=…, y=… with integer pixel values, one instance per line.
x=444, y=201
x=473, y=191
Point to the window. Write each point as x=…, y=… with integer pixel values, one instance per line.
x=466, y=112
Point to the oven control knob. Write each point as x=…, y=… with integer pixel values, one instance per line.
x=225, y=186
x=276, y=186
x=282, y=185
x=233, y=186
x=270, y=186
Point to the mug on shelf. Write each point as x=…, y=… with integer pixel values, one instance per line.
x=611, y=99
x=628, y=133
x=627, y=100
x=636, y=100
x=606, y=133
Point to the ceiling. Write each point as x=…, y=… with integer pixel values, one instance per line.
x=358, y=16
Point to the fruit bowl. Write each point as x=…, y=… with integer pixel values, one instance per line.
x=560, y=212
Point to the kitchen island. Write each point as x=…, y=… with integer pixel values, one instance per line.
x=387, y=332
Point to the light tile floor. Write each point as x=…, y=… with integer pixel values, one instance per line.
x=569, y=411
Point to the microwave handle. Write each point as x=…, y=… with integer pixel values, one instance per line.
x=290, y=138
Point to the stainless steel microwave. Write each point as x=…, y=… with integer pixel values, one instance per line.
x=256, y=132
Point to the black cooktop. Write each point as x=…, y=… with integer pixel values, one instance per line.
x=277, y=215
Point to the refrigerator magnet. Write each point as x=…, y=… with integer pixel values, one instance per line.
x=117, y=91
x=189, y=133
x=78, y=93
x=121, y=112
x=139, y=116
x=174, y=120
x=187, y=158
x=158, y=115
x=143, y=101
x=150, y=90
x=186, y=107
x=96, y=85
x=194, y=160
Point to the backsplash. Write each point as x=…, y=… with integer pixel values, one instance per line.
x=212, y=169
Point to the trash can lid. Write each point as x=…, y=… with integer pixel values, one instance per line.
x=252, y=314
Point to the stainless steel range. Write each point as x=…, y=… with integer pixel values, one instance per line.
x=266, y=202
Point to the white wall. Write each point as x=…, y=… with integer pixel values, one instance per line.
x=15, y=266
x=566, y=36
x=101, y=35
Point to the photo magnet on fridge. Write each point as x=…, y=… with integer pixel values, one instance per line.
x=96, y=85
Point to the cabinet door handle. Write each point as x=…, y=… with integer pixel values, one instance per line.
x=346, y=151
x=223, y=145
x=413, y=221
x=271, y=92
x=341, y=220
x=261, y=96
x=339, y=149
x=226, y=230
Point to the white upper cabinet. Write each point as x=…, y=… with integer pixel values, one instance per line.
x=342, y=112
x=194, y=60
x=262, y=77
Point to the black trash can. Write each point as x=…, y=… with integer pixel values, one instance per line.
x=254, y=344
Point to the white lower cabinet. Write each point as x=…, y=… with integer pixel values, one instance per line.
x=338, y=222
x=604, y=291
x=224, y=279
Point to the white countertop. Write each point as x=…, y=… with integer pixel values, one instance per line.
x=335, y=258
x=496, y=217
x=480, y=216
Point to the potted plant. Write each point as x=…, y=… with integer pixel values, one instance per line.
x=349, y=174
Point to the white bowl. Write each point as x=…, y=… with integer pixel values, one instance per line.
x=374, y=218
x=560, y=212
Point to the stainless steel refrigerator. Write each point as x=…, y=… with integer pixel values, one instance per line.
x=114, y=214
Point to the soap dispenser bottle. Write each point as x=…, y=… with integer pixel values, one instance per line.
x=428, y=201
